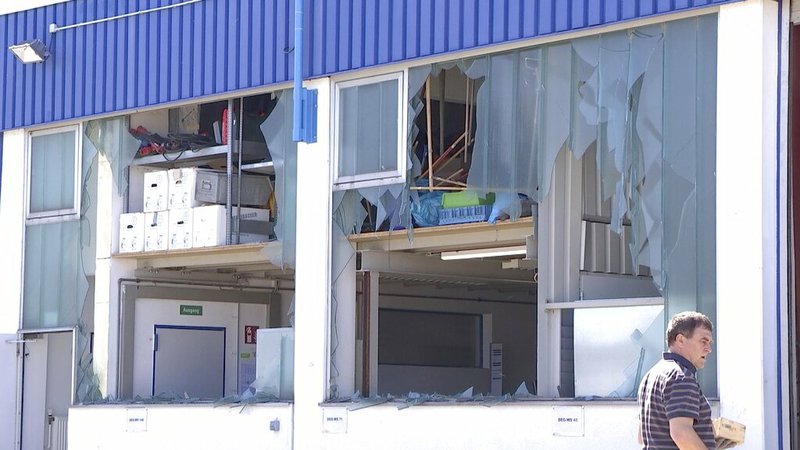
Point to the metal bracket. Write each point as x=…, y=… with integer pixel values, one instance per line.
x=305, y=117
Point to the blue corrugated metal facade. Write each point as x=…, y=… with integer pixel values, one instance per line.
x=218, y=46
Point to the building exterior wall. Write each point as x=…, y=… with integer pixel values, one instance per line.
x=216, y=47
x=181, y=427
x=750, y=179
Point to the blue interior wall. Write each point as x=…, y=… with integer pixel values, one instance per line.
x=218, y=46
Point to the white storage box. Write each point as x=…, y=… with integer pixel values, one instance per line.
x=181, y=188
x=156, y=190
x=156, y=228
x=180, y=228
x=210, y=231
x=212, y=187
x=131, y=232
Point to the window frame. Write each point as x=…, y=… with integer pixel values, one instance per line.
x=57, y=215
x=373, y=178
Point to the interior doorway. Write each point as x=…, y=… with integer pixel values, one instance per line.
x=47, y=389
x=189, y=359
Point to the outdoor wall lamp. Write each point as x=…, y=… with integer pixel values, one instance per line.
x=30, y=52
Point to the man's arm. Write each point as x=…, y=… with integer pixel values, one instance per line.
x=682, y=432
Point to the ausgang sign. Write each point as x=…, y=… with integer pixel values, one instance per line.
x=191, y=310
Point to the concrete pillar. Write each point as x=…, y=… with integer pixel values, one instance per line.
x=12, y=225
x=751, y=287
x=559, y=264
x=312, y=277
x=108, y=271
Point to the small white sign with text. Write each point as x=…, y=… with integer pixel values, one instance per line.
x=137, y=420
x=334, y=420
x=568, y=421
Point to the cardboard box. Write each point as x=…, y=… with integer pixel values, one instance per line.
x=131, y=232
x=155, y=231
x=181, y=188
x=180, y=228
x=212, y=187
x=156, y=190
x=728, y=433
x=210, y=230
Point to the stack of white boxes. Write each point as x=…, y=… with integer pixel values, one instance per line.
x=174, y=216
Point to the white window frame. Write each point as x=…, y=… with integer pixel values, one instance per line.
x=375, y=178
x=58, y=215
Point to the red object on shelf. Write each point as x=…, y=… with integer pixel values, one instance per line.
x=225, y=126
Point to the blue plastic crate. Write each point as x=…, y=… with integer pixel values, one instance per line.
x=464, y=214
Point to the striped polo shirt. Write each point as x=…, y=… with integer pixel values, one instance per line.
x=667, y=391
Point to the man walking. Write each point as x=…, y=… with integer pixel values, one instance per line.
x=673, y=412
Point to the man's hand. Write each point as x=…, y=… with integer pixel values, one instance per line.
x=639, y=437
x=723, y=443
x=682, y=432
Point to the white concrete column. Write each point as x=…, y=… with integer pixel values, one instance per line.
x=749, y=282
x=108, y=271
x=559, y=263
x=12, y=227
x=374, y=306
x=313, y=277
x=343, y=318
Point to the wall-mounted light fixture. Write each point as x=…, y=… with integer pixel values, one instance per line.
x=30, y=52
x=518, y=250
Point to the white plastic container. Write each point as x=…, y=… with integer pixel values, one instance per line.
x=155, y=231
x=131, y=232
x=156, y=190
x=181, y=188
x=210, y=231
x=180, y=228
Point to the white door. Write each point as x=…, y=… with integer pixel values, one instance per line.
x=47, y=374
x=189, y=360
x=8, y=390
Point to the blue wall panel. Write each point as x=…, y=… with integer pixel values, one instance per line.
x=220, y=46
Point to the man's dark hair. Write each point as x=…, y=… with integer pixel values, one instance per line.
x=685, y=323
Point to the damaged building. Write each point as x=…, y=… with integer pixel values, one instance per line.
x=288, y=224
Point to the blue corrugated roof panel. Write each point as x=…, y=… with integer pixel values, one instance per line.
x=219, y=46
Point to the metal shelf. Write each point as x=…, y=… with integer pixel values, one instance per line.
x=250, y=151
x=235, y=255
x=447, y=237
x=264, y=168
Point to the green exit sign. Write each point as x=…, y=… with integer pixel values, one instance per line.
x=191, y=310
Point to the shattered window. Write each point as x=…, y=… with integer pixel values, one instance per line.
x=188, y=151
x=636, y=108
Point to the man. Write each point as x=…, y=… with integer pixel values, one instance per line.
x=673, y=412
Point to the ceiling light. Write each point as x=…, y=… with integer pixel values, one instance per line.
x=484, y=253
x=30, y=51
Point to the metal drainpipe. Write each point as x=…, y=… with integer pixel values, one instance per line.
x=297, y=117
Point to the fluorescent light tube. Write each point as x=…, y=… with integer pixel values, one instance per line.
x=518, y=250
